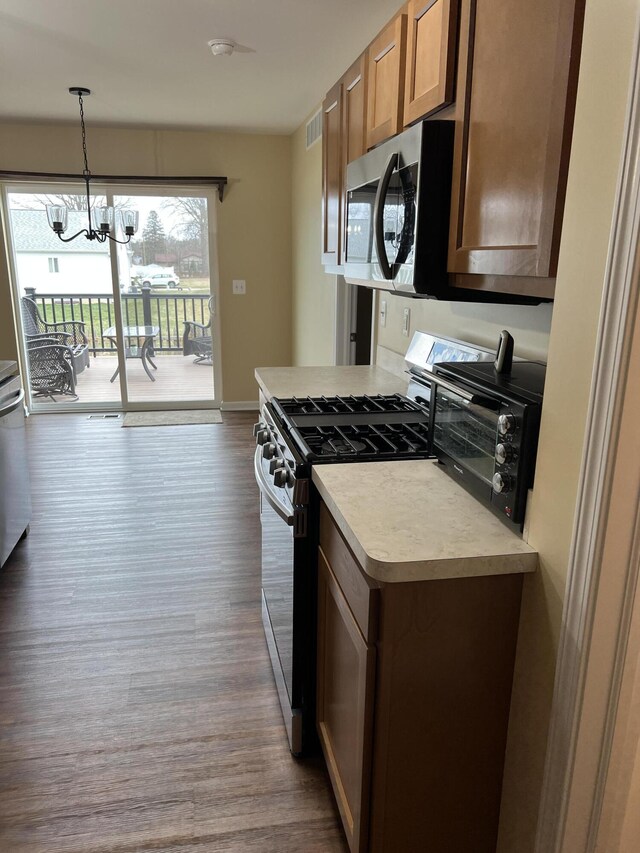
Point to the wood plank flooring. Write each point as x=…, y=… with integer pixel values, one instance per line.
x=138, y=710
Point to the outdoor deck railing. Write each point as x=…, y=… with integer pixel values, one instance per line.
x=168, y=311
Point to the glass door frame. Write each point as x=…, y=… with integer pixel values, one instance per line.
x=109, y=191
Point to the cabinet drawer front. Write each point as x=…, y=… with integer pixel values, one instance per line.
x=346, y=672
x=360, y=593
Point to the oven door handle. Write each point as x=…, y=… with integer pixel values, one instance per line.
x=266, y=491
x=487, y=402
x=378, y=215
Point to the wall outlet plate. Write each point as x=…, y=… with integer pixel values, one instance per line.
x=239, y=286
x=406, y=321
x=383, y=312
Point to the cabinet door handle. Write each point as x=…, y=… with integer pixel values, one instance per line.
x=378, y=215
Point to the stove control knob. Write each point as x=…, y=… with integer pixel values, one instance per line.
x=268, y=450
x=281, y=478
x=275, y=464
x=504, y=453
x=257, y=427
x=506, y=423
x=263, y=436
x=501, y=484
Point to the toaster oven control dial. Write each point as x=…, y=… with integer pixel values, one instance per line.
x=506, y=424
x=504, y=453
x=501, y=484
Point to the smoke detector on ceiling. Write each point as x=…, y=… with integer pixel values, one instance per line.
x=227, y=46
x=222, y=47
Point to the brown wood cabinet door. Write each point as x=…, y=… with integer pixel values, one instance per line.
x=332, y=177
x=386, y=64
x=517, y=77
x=354, y=99
x=344, y=705
x=431, y=53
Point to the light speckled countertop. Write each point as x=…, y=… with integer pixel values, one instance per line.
x=409, y=521
x=314, y=381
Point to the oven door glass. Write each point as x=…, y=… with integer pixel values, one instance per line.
x=277, y=585
x=466, y=432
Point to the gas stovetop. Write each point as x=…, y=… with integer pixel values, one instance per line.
x=350, y=428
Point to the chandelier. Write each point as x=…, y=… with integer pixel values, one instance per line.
x=102, y=219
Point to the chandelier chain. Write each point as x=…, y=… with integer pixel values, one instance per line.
x=86, y=171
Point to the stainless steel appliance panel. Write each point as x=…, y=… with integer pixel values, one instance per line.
x=15, y=497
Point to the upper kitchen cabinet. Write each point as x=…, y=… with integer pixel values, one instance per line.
x=332, y=175
x=343, y=140
x=354, y=99
x=431, y=55
x=386, y=66
x=517, y=79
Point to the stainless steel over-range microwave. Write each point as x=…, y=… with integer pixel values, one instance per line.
x=397, y=216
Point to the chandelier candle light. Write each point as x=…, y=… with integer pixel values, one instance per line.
x=103, y=217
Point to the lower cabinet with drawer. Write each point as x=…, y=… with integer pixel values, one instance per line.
x=414, y=687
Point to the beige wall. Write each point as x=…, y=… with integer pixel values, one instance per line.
x=314, y=291
x=254, y=223
x=479, y=324
x=595, y=158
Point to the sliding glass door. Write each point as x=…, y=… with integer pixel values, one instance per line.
x=63, y=295
x=105, y=325
x=168, y=313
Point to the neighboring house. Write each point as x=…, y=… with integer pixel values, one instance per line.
x=50, y=266
x=191, y=264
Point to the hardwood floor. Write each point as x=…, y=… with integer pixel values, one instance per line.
x=138, y=710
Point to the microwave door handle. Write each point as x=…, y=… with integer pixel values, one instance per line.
x=378, y=215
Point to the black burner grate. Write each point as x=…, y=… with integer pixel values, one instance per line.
x=363, y=442
x=374, y=404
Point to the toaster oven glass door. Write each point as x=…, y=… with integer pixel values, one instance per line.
x=466, y=432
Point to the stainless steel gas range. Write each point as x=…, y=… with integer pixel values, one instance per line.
x=294, y=435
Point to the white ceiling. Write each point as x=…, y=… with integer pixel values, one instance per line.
x=147, y=62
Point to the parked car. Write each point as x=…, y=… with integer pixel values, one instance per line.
x=160, y=280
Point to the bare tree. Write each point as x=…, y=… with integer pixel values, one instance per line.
x=72, y=201
x=191, y=214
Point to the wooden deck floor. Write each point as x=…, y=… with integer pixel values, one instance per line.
x=177, y=379
x=138, y=710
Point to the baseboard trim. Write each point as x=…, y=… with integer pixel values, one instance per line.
x=240, y=406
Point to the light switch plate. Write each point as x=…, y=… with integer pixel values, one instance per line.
x=239, y=286
x=383, y=312
x=406, y=321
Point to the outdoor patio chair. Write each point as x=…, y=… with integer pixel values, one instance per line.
x=69, y=333
x=51, y=369
x=197, y=341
